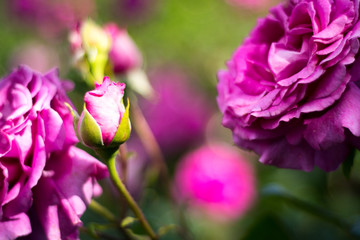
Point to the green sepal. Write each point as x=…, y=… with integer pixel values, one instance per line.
x=76, y=118
x=123, y=132
x=90, y=131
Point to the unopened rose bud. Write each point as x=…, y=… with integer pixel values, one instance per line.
x=94, y=39
x=104, y=122
x=124, y=54
x=90, y=46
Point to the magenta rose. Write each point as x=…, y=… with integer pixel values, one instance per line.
x=45, y=181
x=290, y=92
x=217, y=180
x=105, y=120
x=124, y=54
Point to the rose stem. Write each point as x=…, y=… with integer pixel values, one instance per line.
x=123, y=157
x=122, y=160
x=111, y=163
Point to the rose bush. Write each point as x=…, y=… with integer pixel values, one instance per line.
x=45, y=181
x=291, y=90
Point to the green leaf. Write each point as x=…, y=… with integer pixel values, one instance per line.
x=127, y=221
x=90, y=132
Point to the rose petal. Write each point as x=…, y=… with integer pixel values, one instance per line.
x=68, y=191
x=17, y=226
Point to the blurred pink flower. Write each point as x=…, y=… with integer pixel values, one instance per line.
x=45, y=181
x=52, y=16
x=252, y=4
x=179, y=114
x=135, y=10
x=35, y=55
x=217, y=180
x=124, y=54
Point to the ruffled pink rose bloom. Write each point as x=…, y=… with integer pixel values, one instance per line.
x=291, y=90
x=217, y=180
x=105, y=106
x=124, y=54
x=45, y=181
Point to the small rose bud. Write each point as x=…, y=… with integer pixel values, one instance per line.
x=124, y=54
x=94, y=39
x=104, y=122
x=90, y=46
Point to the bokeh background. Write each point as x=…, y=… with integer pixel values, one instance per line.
x=184, y=43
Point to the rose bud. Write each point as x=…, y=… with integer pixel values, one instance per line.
x=94, y=39
x=104, y=122
x=90, y=46
x=124, y=54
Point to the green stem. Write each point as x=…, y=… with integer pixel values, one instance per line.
x=122, y=160
x=111, y=163
x=98, y=208
x=97, y=68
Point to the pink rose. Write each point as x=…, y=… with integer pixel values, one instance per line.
x=124, y=54
x=291, y=90
x=217, y=180
x=38, y=159
x=104, y=121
